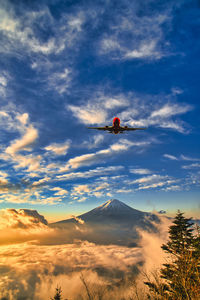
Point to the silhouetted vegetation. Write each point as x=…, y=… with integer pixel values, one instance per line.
x=58, y=295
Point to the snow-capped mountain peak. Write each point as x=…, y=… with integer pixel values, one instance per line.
x=113, y=204
x=113, y=222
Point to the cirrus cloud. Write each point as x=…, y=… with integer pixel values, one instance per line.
x=59, y=148
x=93, y=158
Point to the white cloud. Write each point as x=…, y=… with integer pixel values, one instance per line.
x=96, y=109
x=82, y=199
x=113, y=102
x=31, y=196
x=3, y=174
x=23, y=118
x=82, y=160
x=81, y=189
x=173, y=188
x=4, y=114
x=51, y=35
x=102, y=186
x=191, y=166
x=88, y=114
x=94, y=141
x=11, y=120
x=108, y=44
x=76, y=22
x=18, y=122
x=33, y=175
x=158, y=115
x=128, y=114
x=98, y=194
x=3, y=178
x=97, y=189
x=14, y=197
x=146, y=50
x=90, y=173
x=177, y=126
x=30, y=161
x=118, y=147
x=59, y=191
x=188, y=158
x=98, y=139
x=148, y=179
x=93, y=158
x=169, y=110
x=4, y=79
x=140, y=171
x=7, y=23
x=19, y=32
x=124, y=191
x=181, y=157
x=41, y=181
x=133, y=110
x=135, y=37
x=177, y=91
x=153, y=181
x=60, y=81
x=169, y=156
x=24, y=143
x=52, y=200
x=153, y=185
x=59, y=148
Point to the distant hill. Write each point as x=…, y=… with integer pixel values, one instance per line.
x=113, y=222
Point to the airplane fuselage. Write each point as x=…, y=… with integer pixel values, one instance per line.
x=116, y=125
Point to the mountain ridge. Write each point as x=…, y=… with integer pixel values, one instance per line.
x=113, y=222
x=112, y=207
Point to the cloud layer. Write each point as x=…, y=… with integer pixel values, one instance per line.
x=34, y=268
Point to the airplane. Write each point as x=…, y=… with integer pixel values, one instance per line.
x=116, y=128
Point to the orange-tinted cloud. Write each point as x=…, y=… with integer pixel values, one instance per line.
x=21, y=218
x=40, y=258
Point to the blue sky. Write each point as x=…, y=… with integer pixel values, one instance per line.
x=66, y=65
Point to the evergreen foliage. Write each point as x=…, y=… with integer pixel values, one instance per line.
x=58, y=295
x=180, y=235
x=197, y=243
x=182, y=274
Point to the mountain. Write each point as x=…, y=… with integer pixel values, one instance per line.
x=113, y=222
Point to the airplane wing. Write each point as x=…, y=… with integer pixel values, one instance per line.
x=109, y=128
x=131, y=128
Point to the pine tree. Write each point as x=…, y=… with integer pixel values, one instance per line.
x=180, y=246
x=197, y=242
x=180, y=235
x=181, y=274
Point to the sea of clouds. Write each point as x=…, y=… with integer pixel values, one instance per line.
x=35, y=259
